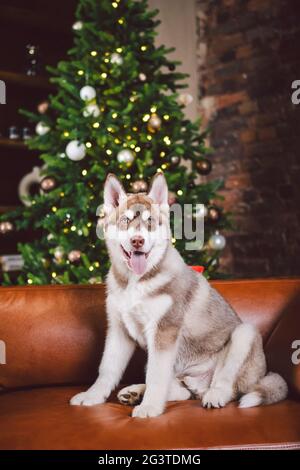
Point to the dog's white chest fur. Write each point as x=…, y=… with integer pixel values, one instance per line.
x=133, y=310
x=140, y=313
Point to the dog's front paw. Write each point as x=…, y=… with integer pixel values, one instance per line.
x=216, y=397
x=146, y=411
x=88, y=398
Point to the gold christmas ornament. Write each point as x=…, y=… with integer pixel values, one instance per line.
x=154, y=123
x=43, y=107
x=47, y=184
x=214, y=214
x=74, y=256
x=139, y=186
x=204, y=166
x=171, y=198
x=6, y=227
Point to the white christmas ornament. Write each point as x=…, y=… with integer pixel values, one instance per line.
x=116, y=59
x=125, y=156
x=87, y=93
x=41, y=128
x=91, y=110
x=142, y=77
x=201, y=211
x=75, y=150
x=185, y=99
x=59, y=253
x=77, y=26
x=217, y=241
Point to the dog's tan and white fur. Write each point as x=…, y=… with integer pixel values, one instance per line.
x=197, y=346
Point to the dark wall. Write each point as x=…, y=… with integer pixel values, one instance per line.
x=248, y=56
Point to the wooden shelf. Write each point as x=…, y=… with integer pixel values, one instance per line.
x=34, y=19
x=4, y=209
x=22, y=79
x=18, y=144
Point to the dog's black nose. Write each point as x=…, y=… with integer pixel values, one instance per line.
x=137, y=242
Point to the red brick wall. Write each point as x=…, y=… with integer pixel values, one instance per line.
x=248, y=56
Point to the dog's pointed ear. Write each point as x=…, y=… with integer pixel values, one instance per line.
x=114, y=193
x=159, y=189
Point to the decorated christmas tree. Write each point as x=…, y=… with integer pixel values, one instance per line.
x=119, y=108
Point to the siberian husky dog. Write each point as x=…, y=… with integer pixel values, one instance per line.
x=197, y=346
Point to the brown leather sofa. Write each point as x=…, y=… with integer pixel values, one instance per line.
x=54, y=337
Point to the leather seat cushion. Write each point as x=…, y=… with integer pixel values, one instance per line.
x=41, y=418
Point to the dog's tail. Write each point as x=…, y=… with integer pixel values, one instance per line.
x=270, y=389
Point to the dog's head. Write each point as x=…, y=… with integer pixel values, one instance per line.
x=136, y=226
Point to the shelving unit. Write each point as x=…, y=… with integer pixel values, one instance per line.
x=33, y=19
x=23, y=80
x=4, y=209
x=49, y=26
x=11, y=143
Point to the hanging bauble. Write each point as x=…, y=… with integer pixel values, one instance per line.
x=75, y=150
x=171, y=67
x=171, y=198
x=214, y=214
x=142, y=77
x=185, y=99
x=59, y=254
x=200, y=211
x=87, y=93
x=41, y=128
x=77, y=26
x=191, y=184
x=74, y=256
x=91, y=110
x=174, y=160
x=154, y=123
x=47, y=184
x=6, y=227
x=68, y=220
x=116, y=59
x=125, y=156
x=46, y=262
x=217, y=241
x=203, y=166
x=139, y=186
x=42, y=107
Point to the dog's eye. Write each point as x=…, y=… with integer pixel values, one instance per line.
x=150, y=222
x=124, y=220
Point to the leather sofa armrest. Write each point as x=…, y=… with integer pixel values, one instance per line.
x=54, y=335
x=51, y=334
x=283, y=346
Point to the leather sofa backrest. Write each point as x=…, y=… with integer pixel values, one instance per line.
x=55, y=334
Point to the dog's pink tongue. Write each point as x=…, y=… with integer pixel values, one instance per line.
x=138, y=262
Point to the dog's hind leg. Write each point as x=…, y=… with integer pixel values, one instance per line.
x=131, y=395
x=178, y=391
x=222, y=389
